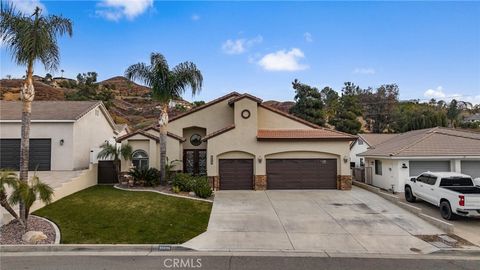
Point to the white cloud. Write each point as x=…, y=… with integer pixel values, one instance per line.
x=115, y=10
x=195, y=17
x=439, y=93
x=365, y=71
x=308, y=37
x=28, y=6
x=283, y=60
x=239, y=46
x=435, y=93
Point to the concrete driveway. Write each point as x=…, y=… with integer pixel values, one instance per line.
x=355, y=221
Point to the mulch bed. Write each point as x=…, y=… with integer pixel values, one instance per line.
x=11, y=233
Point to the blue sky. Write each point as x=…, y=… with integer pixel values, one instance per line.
x=430, y=49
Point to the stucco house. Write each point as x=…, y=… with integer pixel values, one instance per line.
x=394, y=161
x=363, y=142
x=240, y=143
x=62, y=133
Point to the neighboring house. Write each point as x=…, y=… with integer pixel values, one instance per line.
x=409, y=154
x=363, y=142
x=62, y=133
x=474, y=118
x=240, y=143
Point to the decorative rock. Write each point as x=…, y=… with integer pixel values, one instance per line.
x=32, y=237
x=191, y=193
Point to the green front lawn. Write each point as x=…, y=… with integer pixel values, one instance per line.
x=105, y=215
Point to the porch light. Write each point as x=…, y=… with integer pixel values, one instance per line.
x=62, y=141
x=259, y=159
x=345, y=159
x=404, y=166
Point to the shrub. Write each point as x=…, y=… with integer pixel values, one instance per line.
x=202, y=188
x=176, y=189
x=148, y=177
x=184, y=181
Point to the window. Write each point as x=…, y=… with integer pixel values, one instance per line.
x=378, y=167
x=362, y=164
x=140, y=159
x=196, y=139
x=360, y=142
x=352, y=164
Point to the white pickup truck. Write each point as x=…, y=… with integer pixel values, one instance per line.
x=454, y=193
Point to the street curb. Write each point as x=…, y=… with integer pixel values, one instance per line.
x=94, y=248
x=445, y=226
x=164, y=193
x=55, y=227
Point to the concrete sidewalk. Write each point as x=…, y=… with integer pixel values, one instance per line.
x=355, y=221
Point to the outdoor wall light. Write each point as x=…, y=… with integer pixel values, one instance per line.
x=62, y=141
x=345, y=159
x=260, y=159
x=211, y=159
x=404, y=166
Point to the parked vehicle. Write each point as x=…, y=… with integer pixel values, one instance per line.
x=454, y=193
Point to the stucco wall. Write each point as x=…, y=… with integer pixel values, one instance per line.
x=271, y=120
x=90, y=131
x=357, y=149
x=62, y=155
x=212, y=118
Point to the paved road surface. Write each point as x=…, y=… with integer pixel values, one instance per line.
x=83, y=262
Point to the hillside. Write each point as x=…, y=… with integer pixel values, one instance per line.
x=131, y=104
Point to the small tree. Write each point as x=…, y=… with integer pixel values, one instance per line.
x=308, y=103
x=112, y=151
x=7, y=179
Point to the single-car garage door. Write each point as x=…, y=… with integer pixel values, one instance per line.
x=39, y=159
x=418, y=167
x=471, y=168
x=301, y=173
x=236, y=174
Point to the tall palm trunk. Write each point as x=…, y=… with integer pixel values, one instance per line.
x=4, y=203
x=27, y=95
x=162, y=122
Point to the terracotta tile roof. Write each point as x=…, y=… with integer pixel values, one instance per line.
x=429, y=142
x=206, y=105
x=320, y=133
x=373, y=139
x=218, y=132
x=148, y=135
x=242, y=96
x=47, y=110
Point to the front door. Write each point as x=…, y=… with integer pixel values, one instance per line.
x=195, y=161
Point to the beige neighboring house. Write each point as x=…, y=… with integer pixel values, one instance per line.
x=363, y=142
x=240, y=143
x=409, y=154
x=62, y=133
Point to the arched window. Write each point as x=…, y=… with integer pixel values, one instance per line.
x=140, y=159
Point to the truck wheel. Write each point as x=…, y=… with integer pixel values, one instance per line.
x=409, y=195
x=446, y=210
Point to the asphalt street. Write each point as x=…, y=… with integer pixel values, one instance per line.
x=127, y=262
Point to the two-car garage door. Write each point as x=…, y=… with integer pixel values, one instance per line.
x=40, y=154
x=281, y=174
x=301, y=173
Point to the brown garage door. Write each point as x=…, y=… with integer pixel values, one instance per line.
x=236, y=174
x=301, y=173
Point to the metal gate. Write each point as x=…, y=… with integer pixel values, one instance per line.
x=106, y=172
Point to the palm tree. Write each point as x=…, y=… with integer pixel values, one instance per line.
x=29, y=192
x=29, y=39
x=7, y=179
x=111, y=151
x=166, y=84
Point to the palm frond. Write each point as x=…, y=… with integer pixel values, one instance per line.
x=31, y=38
x=187, y=75
x=7, y=178
x=108, y=151
x=126, y=151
